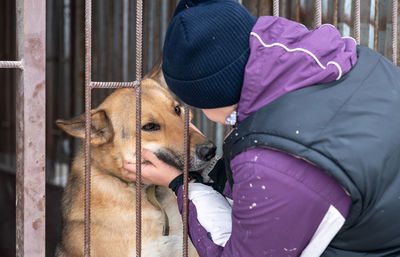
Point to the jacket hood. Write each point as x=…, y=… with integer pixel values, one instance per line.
x=285, y=56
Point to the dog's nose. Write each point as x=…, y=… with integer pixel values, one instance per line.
x=206, y=151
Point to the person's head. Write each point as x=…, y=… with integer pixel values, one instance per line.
x=205, y=53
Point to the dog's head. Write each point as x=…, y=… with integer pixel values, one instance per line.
x=113, y=131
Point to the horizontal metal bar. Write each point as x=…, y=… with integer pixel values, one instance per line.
x=12, y=64
x=97, y=84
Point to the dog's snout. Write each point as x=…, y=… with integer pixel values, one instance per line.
x=206, y=151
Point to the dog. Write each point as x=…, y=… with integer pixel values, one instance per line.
x=113, y=194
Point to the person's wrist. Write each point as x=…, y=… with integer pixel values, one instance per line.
x=170, y=177
x=176, y=183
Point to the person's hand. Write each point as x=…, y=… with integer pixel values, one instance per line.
x=156, y=172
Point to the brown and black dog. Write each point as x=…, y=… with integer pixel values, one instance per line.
x=113, y=209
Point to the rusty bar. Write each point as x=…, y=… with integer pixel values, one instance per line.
x=357, y=21
x=394, y=30
x=376, y=25
x=335, y=13
x=185, y=182
x=139, y=30
x=125, y=39
x=19, y=134
x=97, y=84
x=164, y=22
x=317, y=13
x=275, y=9
x=30, y=129
x=88, y=97
x=298, y=9
x=12, y=65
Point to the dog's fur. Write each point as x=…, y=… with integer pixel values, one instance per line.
x=112, y=192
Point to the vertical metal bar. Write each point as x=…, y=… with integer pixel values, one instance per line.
x=275, y=9
x=19, y=134
x=125, y=39
x=164, y=21
x=317, y=13
x=335, y=13
x=394, y=30
x=204, y=124
x=139, y=30
x=66, y=59
x=298, y=9
x=357, y=21
x=88, y=98
x=30, y=129
x=150, y=33
x=78, y=63
x=376, y=25
x=185, y=182
x=219, y=137
x=117, y=41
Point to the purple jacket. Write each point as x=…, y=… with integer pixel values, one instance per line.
x=282, y=206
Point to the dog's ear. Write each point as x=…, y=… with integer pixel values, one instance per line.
x=101, y=130
x=157, y=75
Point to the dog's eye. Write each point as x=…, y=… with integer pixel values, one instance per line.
x=178, y=110
x=151, y=126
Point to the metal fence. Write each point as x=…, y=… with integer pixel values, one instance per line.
x=116, y=52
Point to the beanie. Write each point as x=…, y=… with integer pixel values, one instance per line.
x=205, y=52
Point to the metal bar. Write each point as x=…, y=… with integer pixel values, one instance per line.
x=335, y=13
x=139, y=30
x=116, y=41
x=357, y=21
x=376, y=25
x=30, y=128
x=275, y=10
x=317, y=13
x=185, y=182
x=19, y=135
x=88, y=98
x=164, y=21
x=298, y=9
x=394, y=30
x=96, y=84
x=12, y=65
x=151, y=35
x=125, y=39
x=219, y=136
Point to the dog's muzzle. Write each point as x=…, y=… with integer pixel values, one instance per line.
x=206, y=151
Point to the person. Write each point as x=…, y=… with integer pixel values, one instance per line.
x=313, y=160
